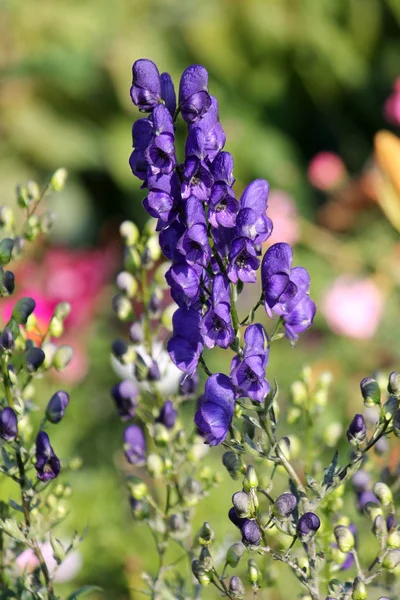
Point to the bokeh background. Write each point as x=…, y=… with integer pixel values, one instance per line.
x=294, y=79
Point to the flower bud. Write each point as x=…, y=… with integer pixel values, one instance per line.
x=250, y=480
x=6, y=248
x=359, y=590
x=391, y=560
x=332, y=434
x=206, y=559
x=251, y=533
x=381, y=446
x=284, y=447
x=236, y=588
x=357, y=430
x=161, y=435
x=344, y=539
x=153, y=250
x=188, y=384
x=372, y=509
x=34, y=358
x=205, y=535
x=233, y=464
x=136, y=333
x=8, y=283
x=202, y=575
x=58, y=179
x=7, y=217
x=299, y=393
x=6, y=340
x=167, y=415
x=234, y=554
x=379, y=527
x=284, y=505
x=56, y=327
x=127, y=284
x=56, y=407
x=243, y=505
x=394, y=384
x=361, y=481
x=155, y=465
x=132, y=259
x=46, y=221
x=8, y=424
x=138, y=489
x=23, y=309
x=307, y=526
x=396, y=423
x=62, y=310
x=253, y=572
x=122, y=307
x=129, y=232
x=370, y=391
x=390, y=407
x=393, y=540
x=22, y=196
x=140, y=509
x=153, y=373
x=383, y=493
x=62, y=357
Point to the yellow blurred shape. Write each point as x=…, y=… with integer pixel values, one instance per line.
x=387, y=154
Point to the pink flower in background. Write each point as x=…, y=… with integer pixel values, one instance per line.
x=326, y=171
x=68, y=569
x=282, y=211
x=353, y=307
x=391, y=108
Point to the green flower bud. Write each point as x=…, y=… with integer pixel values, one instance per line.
x=394, y=384
x=161, y=434
x=284, y=447
x=250, y=480
x=234, y=554
x=6, y=248
x=49, y=350
x=62, y=357
x=202, y=575
x=32, y=228
x=359, y=590
x=150, y=227
x=58, y=179
x=176, y=523
x=294, y=414
x=393, y=540
x=344, y=539
x=127, y=283
x=233, y=464
x=299, y=393
x=370, y=391
x=383, y=493
x=155, y=465
x=22, y=196
x=153, y=248
x=122, y=307
x=206, y=559
x=253, y=572
x=391, y=560
x=56, y=327
x=22, y=309
x=129, y=232
x=33, y=190
x=131, y=259
x=373, y=510
x=205, y=535
x=7, y=217
x=46, y=221
x=138, y=489
x=390, y=407
x=379, y=527
x=62, y=310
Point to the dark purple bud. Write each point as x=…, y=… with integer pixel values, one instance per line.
x=8, y=424
x=307, y=526
x=125, y=396
x=154, y=372
x=146, y=85
x=23, y=309
x=251, y=533
x=235, y=519
x=47, y=464
x=188, y=384
x=135, y=445
x=357, y=430
x=34, y=358
x=194, y=99
x=168, y=92
x=167, y=415
x=9, y=281
x=56, y=407
x=6, y=339
x=394, y=384
x=119, y=348
x=136, y=333
x=370, y=392
x=236, y=588
x=284, y=505
x=365, y=498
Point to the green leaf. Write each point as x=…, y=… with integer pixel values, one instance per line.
x=83, y=591
x=23, y=309
x=13, y=325
x=330, y=471
x=6, y=248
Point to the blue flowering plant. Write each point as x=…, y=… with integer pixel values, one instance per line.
x=290, y=508
x=29, y=464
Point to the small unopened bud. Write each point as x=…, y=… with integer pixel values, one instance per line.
x=56, y=327
x=129, y=232
x=33, y=190
x=62, y=357
x=394, y=384
x=307, y=526
x=9, y=282
x=201, y=574
x=138, y=489
x=370, y=391
x=46, y=221
x=250, y=480
x=58, y=179
x=299, y=393
x=391, y=560
x=253, y=572
x=251, y=533
x=34, y=358
x=7, y=217
x=8, y=424
x=154, y=372
x=205, y=535
x=122, y=307
x=332, y=434
x=357, y=430
x=153, y=248
x=6, y=340
x=23, y=309
x=127, y=284
x=136, y=333
x=206, y=559
x=155, y=465
x=390, y=407
x=56, y=407
x=379, y=527
x=161, y=435
x=6, y=248
x=381, y=446
x=131, y=259
x=344, y=539
x=284, y=447
x=243, y=505
x=284, y=505
x=62, y=310
x=396, y=423
x=234, y=554
x=236, y=588
x=232, y=462
x=393, y=540
x=383, y=493
x=359, y=590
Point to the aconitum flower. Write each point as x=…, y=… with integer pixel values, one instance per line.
x=307, y=526
x=186, y=344
x=248, y=374
x=168, y=92
x=284, y=505
x=56, y=407
x=215, y=409
x=160, y=152
x=135, y=445
x=357, y=430
x=184, y=281
x=167, y=415
x=251, y=533
x=194, y=99
x=194, y=243
x=252, y=221
x=146, y=85
x=299, y=319
x=243, y=261
x=6, y=340
x=125, y=394
x=8, y=424
x=215, y=137
x=47, y=464
x=216, y=325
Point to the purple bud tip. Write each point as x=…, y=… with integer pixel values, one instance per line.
x=56, y=406
x=167, y=415
x=47, y=464
x=6, y=339
x=8, y=424
x=251, y=533
x=357, y=429
x=308, y=525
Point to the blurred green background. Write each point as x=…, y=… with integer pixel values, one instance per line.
x=292, y=77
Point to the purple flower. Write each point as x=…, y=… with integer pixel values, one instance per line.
x=215, y=409
x=167, y=415
x=215, y=137
x=146, y=85
x=196, y=177
x=251, y=533
x=222, y=168
x=194, y=243
x=364, y=498
x=186, y=344
x=8, y=424
x=238, y=521
x=307, y=526
x=160, y=153
x=248, y=375
x=194, y=99
x=299, y=319
x=47, y=464
x=216, y=325
x=142, y=132
x=223, y=206
x=7, y=340
x=135, y=445
x=252, y=221
x=284, y=505
x=169, y=238
x=125, y=396
x=243, y=261
x=56, y=407
x=168, y=92
x=357, y=430
x=184, y=281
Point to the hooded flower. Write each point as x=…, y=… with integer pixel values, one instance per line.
x=215, y=409
x=167, y=415
x=248, y=375
x=56, y=407
x=194, y=99
x=216, y=325
x=8, y=424
x=47, y=464
x=146, y=85
x=135, y=445
x=186, y=343
x=125, y=395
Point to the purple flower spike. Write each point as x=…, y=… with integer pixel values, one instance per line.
x=135, y=445
x=215, y=409
x=307, y=526
x=167, y=415
x=194, y=99
x=8, y=424
x=56, y=407
x=125, y=395
x=146, y=85
x=47, y=464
